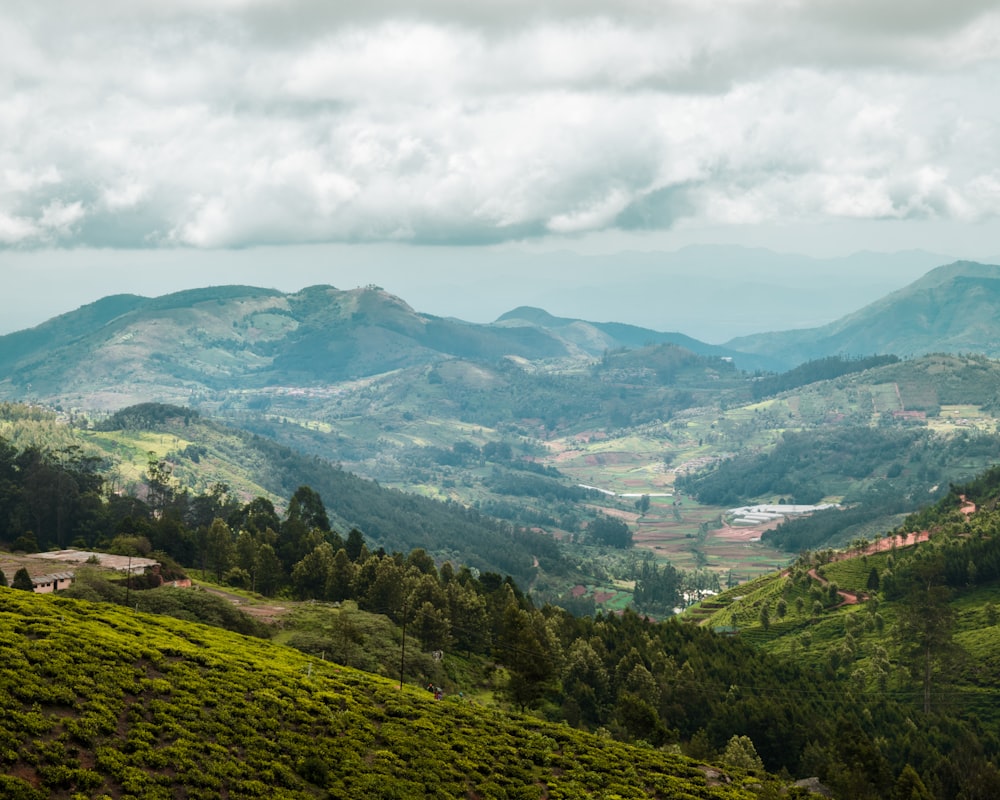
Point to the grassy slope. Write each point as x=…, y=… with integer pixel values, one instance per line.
x=99, y=701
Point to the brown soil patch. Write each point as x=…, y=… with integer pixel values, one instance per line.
x=628, y=516
x=263, y=612
x=742, y=533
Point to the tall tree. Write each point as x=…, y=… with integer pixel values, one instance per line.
x=523, y=647
x=219, y=548
x=341, y=580
x=926, y=621
x=270, y=576
x=307, y=506
x=355, y=545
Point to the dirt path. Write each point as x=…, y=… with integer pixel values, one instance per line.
x=846, y=598
x=262, y=611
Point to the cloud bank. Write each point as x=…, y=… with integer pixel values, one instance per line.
x=235, y=123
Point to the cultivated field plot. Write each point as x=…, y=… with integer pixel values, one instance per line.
x=963, y=417
x=618, y=471
x=607, y=598
x=687, y=536
x=885, y=398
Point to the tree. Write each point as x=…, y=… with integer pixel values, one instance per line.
x=470, y=622
x=219, y=548
x=22, y=580
x=610, y=531
x=312, y=575
x=256, y=516
x=354, y=545
x=246, y=556
x=387, y=591
x=909, y=786
x=341, y=580
x=586, y=681
x=431, y=627
x=926, y=621
x=741, y=754
x=160, y=485
x=269, y=573
x=522, y=648
x=307, y=506
x=420, y=560
x=3, y=578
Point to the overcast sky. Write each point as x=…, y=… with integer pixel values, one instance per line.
x=150, y=145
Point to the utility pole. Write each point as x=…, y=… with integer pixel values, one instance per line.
x=128, y=579
x=402, y=650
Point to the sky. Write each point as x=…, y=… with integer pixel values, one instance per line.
x=454, y=150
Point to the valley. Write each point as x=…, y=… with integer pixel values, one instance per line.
x=541, y=512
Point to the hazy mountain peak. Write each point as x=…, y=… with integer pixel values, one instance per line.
x=532, y=315
x=950, y=309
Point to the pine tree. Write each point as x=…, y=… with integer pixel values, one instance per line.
x=926, y=622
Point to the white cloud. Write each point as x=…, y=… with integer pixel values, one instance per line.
x=60, y=217
x=238, y=122
x=16, y=230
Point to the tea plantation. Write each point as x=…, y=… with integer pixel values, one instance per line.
x=101, y=702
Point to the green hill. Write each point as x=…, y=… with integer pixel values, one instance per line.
x=125, y=349
x=100, y=702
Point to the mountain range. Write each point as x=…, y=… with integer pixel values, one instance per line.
x=125, y=348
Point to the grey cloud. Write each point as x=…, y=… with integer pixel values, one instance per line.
x=245, y=122
x=891, y=17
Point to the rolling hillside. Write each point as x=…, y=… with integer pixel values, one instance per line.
x=200, y=453
x=99, y=701
x=598, y=337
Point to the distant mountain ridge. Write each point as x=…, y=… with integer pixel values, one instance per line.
x=595, y=337
x=951, y=309
x=128, y=349
x=125, y=348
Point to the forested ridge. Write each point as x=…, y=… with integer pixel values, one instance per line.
x=55, y=495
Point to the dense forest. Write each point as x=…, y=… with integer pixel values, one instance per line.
x=823, y=369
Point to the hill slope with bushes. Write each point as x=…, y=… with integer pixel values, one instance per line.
x=100, y=702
